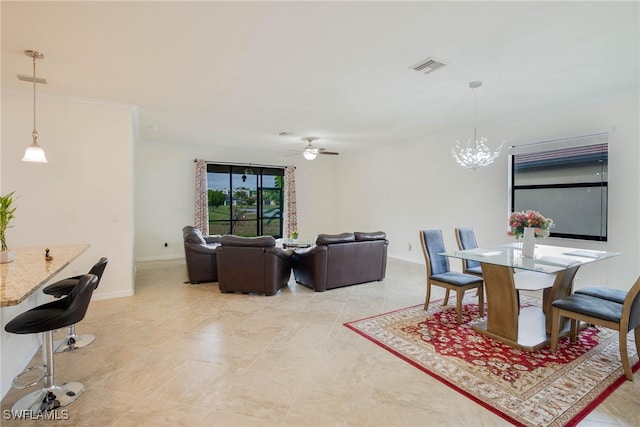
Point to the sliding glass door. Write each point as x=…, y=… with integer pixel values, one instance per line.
x=245, y=201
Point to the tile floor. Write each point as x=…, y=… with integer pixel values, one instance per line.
x=177, y=354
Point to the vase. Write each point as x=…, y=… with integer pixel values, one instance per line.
x=6, y=256
x=528, y=242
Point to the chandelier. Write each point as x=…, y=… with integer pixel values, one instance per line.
x=475, y=154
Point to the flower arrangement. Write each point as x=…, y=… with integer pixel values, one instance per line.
x=519, y=220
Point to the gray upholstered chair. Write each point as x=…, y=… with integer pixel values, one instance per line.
x=609, y=294
x=623, y=318
x=466, y=239
x=438, y=273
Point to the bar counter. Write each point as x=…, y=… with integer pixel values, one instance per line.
x=29, y=270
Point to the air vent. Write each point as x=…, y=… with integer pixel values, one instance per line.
x=428, y=65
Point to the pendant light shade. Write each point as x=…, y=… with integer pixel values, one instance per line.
x=34, y=153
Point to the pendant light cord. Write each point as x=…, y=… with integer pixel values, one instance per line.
x=35, y=133
x=475, y=117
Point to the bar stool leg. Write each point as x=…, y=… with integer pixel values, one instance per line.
x=51, y=396
x=73, y=341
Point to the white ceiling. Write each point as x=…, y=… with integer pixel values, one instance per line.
x=235, y=74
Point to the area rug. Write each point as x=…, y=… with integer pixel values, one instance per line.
x=525, y=388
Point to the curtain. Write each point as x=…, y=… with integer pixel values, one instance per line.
x=290, y=210
x=201, y=221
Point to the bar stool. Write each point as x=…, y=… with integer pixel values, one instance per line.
x=63, y=287
x=45, y=319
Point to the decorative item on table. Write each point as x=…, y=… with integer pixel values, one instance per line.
x=528, y=226
x=7, y=211
x=47, y=255
x=293, y=235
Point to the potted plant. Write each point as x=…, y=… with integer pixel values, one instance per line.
x=6, y=215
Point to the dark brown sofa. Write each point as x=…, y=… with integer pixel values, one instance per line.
x=339, y=260
x=200, y=255
x=252, y=265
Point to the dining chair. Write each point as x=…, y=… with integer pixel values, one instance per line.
x=602, y=312
x=439, y=274
x=602, y=292
x=466, y=239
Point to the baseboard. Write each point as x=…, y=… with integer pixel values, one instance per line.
x=403, y=258
x=159, y=258
x=112, y=295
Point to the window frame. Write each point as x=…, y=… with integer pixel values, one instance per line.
x=596, y=138
x=259, y=172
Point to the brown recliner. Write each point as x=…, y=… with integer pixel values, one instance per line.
x=200, y=255
x=339, y=260
x=252, y=265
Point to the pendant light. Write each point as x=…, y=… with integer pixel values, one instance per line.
x=475, y=154
x=34, y=153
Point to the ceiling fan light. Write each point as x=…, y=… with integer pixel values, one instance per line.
x=310, y=153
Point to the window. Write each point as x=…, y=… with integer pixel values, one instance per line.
x=565, y=180
x=245, y=200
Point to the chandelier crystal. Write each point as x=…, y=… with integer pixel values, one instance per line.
x=476, y=153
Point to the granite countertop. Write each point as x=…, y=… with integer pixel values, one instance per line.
x=29, y=270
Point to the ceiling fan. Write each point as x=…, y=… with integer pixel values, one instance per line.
x=311, y=152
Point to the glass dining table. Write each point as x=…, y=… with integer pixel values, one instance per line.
x=527, y=327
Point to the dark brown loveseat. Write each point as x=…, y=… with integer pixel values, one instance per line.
x=200, y=255
x=339, y=260
x=252, y=265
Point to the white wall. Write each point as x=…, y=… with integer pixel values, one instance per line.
x=83, y=195
x=164, y=193
x=406, y=187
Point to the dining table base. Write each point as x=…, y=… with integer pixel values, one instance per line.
x=521, y=326
x=532, y=330
x=527, y=328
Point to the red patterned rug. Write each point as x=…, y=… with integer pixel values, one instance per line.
x=525, y=388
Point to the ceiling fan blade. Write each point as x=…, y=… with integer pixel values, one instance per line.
x=323, y=151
